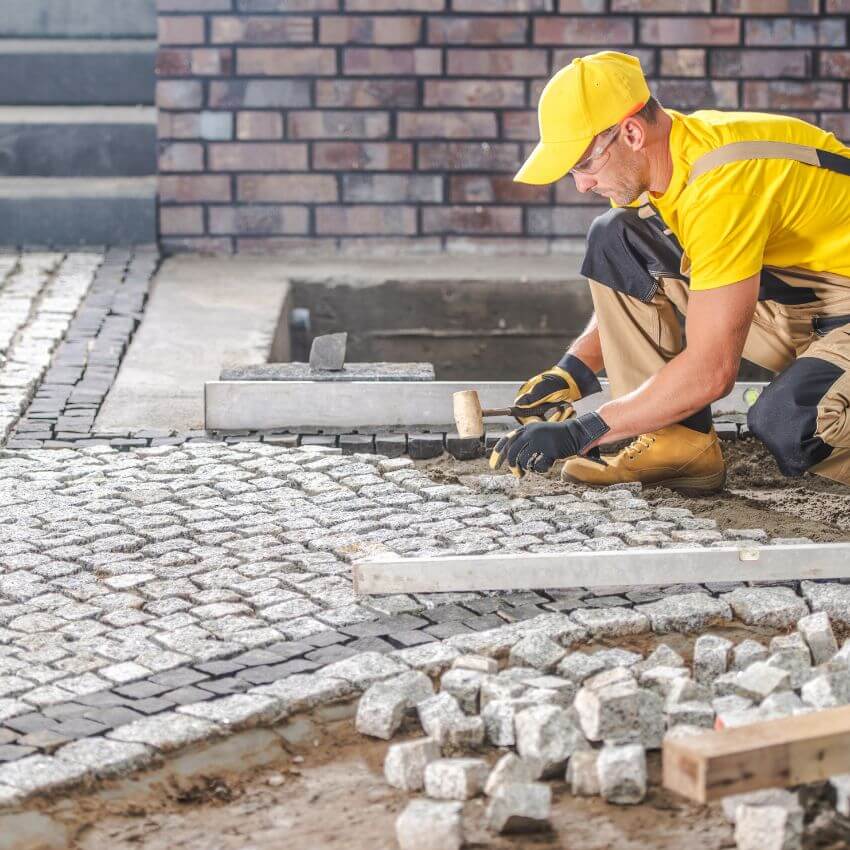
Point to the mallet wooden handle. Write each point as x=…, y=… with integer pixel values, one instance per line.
x=517, y=411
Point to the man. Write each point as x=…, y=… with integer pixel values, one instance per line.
x=741, y=222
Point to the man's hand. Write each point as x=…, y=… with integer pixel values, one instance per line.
x=564, y=383
x=538, y=445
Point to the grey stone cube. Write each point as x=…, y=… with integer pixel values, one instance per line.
x=711, y=657
x=510, y=768
x=404, y=763
x=582, y=773
x=622, y=774
x=455, y=779
x=536, y=650
x=430, y=825
x=817, y=632
x=547, y=735
x=520, y=807
x=768, y=828
x=382, y=707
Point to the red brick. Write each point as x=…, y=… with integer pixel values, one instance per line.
x=838, y=6
x=180, y=29
x=689, y=31
x=386, y=60
x=287, y=5
x=760, y=63
x=174, y=221
x=561, y=221
x=472, y=219
x=194, y=5
x=467, y=156
x=336, y=124
x=835, y=63
x=346, y=29
x=205, y=245
x=795, y=32
x=395, y=5
x=261, y=30
x=357, y=156
x=447, y=125
x=257, y=94
x=497, y=62
x=179, y=94
x=180, y=156
x=258, y=220
x=367, y=93
x=782, y=95
x=520, y=125
x=563, y=56
x=655, y=6
x=478, y=30
x=838, y=123
x=696, y=94
x=559, y=31
x=178, y=125
x=683, y=62
x=503, y=6
x=474, y=93
x=364, y=219
x=292, y=188
x=259, y=156
x=285, y=61
x=581, y=7
x=392, y=188
x=253, y=126
x=194, y=188
x=767, y=7
x=494, y=189
x=203, y=61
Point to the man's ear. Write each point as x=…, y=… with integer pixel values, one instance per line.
x=634, y=133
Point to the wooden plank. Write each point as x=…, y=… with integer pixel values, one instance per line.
x=236, y=405
x=771, y=754
x=524, y=571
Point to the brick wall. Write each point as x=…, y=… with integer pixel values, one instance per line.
x=292, y=124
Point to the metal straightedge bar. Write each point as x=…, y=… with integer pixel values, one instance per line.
x=528, y=571
x=262, y=405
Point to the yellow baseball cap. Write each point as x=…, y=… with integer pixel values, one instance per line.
x=588, y=96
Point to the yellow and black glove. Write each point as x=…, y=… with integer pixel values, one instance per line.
x=538, y=445
x=556, y=389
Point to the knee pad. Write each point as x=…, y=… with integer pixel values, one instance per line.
x=785, y=415
x=629, y=253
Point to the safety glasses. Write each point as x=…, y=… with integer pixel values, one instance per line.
x=586, y=165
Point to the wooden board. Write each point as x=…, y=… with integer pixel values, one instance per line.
x=527, y=571
x=770, y=754
x=262, y=405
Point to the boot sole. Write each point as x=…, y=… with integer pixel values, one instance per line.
x=687, y=485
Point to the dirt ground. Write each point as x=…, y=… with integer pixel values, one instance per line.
x=757, y=494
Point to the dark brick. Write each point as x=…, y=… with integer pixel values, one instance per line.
x=186, y=695
x=45, y=740
x=222, y=687
x=412, y=638
x=325, y=638
x=446, y=630
x=385, y=626
x=391, y=445
x=463, y=448
x=484, y=622
x=370, y=644
x=33, y=722
x=116, y=716
x=329, y=654
x=178, y=678
x=424, y=446
x=142, y=690
x=256, y=658
x=357, y=443
x=80, y=727
x=13, y=752
x=103, y=699
x=153, y=705
x=446, y=613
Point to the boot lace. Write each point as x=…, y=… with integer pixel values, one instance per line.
x=644, y=441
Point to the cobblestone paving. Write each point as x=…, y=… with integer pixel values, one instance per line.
x=133, y=582
x=39, y=295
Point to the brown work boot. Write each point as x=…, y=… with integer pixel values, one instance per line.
x=676, y=457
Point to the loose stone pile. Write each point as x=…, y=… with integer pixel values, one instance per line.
x=589, y=719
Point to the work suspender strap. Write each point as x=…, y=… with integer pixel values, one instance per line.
x=737, y=151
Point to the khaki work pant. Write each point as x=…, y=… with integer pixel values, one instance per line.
x=806, y=405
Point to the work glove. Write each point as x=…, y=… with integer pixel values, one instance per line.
x=554, y=390
x=538, y=445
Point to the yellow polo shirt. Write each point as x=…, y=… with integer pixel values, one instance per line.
x=739, y=217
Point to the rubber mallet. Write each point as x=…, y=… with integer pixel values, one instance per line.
x=469, y=415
